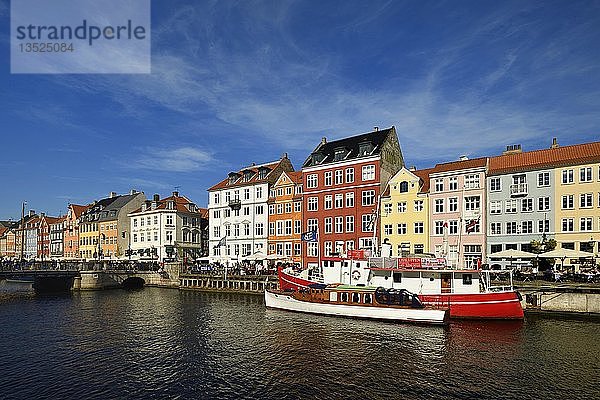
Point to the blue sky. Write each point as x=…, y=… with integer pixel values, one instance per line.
x=240, y=82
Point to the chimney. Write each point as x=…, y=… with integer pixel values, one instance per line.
x=42, y=214
x=376, y=128
x=31, y=213
x=156, y=197
x=554, y=143
x=112, y=194
x=412, y=168
x=463, y=158
x=133, y=191
x=175, y=194
x=324, y=140
x=513, y=149
x=284, y=155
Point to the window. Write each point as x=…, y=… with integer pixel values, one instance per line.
x=526, y=226
x=544, y=204
x=418, y=205
x=142, y=220
x=288, y=191
x=328, y=204
x=453, y=183
x=246, y=229
x=313, y=204
x=134, y=223
x=259, y=192
x=402, y=207
x=496, y=228
x=439, y=227
x=402, y=229
x=511, y=206
x=312, y=224
x=586, y=200
x=236, y=230
x=169, y=219
x=544, y=226
x=339, y=224
x=543, y=179
x=467, y=279
x=496, y=207
x=297, y=206
x=585, y=224
x=349, y=175
x=439, y=185
x=271, y=209
x=328, y=225
x=279, y=228
x=511, y=228
x=453, y=228
x=297, y=227
x=280, y=207
x=567, y=224
x=368, y=198
x=567, y=176
x=439, y=205
x=339, y=200
x=368, y=172
x=453, y=204
x=271, y=228
x=311, y=181
x=246, y=210
x=403, y=187
x=495, y=185
x=472, y=203
x=312, y=249
x=526, y=205
x=472, y=181
x=367, y=225
x=349, y=223
x=297, y=249
x=387, y=208
x=350, y=199
x=327, y=178
x=567, y=202
x=247, y=194
x=288, y=227
x=216, y=231
x=217, y=198
x=585, y=174
x=339, y=176
x=419, y=227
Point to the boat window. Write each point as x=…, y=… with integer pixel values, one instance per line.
x=397, y=277
x=355, y=298
x=368, y=298
x=344, y=297
x=467, y=279
x=431, y=279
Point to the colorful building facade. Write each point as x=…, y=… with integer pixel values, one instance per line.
x=404, y=213
x=342, y=182
x=285, y=217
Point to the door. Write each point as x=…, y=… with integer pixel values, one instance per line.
x=446, y=283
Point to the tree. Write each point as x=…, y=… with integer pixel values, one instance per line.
x=543, y=246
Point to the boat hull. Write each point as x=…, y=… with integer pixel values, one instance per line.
x=488, y=305
x=283, y=301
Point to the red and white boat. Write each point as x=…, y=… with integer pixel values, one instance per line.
x=469, y=293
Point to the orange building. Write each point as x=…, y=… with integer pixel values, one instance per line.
x=285, y=217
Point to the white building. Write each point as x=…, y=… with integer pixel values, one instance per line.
x=238, y=211
x=170, y=229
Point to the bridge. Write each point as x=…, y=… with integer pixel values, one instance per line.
x=73, y=276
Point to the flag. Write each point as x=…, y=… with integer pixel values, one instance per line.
x=471, y=225
x=310, y=236
x=222, y=242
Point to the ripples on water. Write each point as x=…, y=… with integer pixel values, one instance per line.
x=157, y=343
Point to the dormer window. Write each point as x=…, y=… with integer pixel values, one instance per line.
x=233, y=177
x=262, y=173
x=365, y=148
x=170, y=205
x=317, y=157
x=339, y=154
x=403, y=187
x=248, y=175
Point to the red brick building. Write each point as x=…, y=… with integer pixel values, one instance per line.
x=342, y=181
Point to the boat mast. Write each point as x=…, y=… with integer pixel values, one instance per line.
x=22, y=229
x=375, y=218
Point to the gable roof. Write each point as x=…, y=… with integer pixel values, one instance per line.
x=546, y=158
x=422, y=174
x=181, y=205
x=253, y=169
x=78, y=209
x=351, y=144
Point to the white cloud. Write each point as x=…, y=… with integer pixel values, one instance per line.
x=182, y=159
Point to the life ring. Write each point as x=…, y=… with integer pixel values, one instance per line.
x=356, y=274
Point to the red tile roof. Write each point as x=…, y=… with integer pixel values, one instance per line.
x=424, y=175
x=459, y=165
x=181, y=205
x=239, y=182
x=296, y=176
x=547, y=158
x=78, y=209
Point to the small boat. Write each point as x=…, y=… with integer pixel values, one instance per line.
x=358, y=302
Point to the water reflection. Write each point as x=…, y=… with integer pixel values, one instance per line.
x=168, y=344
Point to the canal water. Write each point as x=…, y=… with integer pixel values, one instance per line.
x=166, y=344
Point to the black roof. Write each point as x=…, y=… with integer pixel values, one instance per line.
x=351, y=145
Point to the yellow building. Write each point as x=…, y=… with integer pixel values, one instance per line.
x=577, y=195
x=404, y=212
